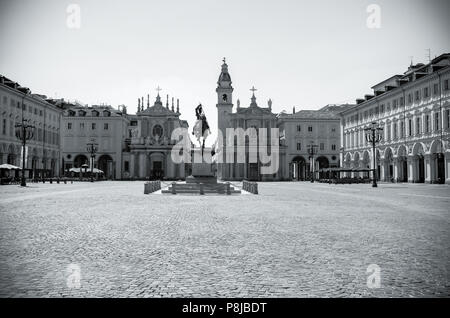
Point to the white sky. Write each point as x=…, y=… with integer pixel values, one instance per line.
x=298, y=53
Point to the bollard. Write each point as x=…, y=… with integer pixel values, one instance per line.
x=228, y=188
x=202, y=190
x=57, y=181
x=256, y=188
x=146, y=186
x=51, y=181
x=174, y=191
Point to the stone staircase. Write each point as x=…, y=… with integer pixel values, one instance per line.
x=201, y=188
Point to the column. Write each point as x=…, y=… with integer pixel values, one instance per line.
x=361, y=165
x=411, y=170
x=432, y=122
x=427, y=163
x=385, y=131
x=142, y=159
x=169, y=173
x=352, y=174
x=382, y=170
x=447, y=168
x=433, y=168
x=181, y=172
x=396, y=164
x=423, y=124
x=393, y=134
x=176, y=171
x=132, y=161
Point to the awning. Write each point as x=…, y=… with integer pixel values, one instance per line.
x=9, y=167
x=77, y=170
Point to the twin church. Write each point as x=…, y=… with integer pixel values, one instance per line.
x=148, y=151
x=138, y=146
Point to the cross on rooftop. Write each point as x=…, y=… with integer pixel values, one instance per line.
x=158, y=89
x=253, y=89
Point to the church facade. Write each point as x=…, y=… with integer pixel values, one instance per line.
x=147, y=154
x=252, y=116
x=296, y=132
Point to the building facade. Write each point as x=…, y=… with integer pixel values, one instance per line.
x=252, y=116
x=296, y=132
x=42, y=152
x=413, y=110
x=102, y=125
x=148, y=149
x=304, y=128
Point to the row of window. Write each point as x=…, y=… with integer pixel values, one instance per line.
x=39, y=133
x=94, y=113
x=321, y=146
x=417, y=95
x=310, y=129
x=29, y=108
x=398, y=130
x=93, y=126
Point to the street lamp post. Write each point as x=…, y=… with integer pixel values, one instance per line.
x=24, y=132
x=374, y=136
x=312, y=150
x=92, y=149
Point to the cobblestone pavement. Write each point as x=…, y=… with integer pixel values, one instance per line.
x=291, y=240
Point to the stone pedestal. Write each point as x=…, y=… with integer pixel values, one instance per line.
x=202, y=171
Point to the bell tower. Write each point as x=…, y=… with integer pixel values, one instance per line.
x=224, y=92
x=224, y=98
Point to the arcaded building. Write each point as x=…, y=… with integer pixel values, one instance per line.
x=42, y=152
x=99, y=124
x=301, y=129
x=413, y=109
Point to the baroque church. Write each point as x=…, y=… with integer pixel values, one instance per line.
x=148, y=150
x=253, y=116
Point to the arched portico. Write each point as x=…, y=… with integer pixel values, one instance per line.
x=105, y=163
x=418, y=163
x=402, y=164
x=388, y=164
x=80, y=160
x=299, y=168
x=437, y=162
x=356, y=164
x=322, y=163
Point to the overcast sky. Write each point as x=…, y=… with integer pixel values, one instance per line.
x=298, y=53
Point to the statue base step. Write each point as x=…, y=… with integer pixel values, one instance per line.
x=201, y=188
x=202, y=179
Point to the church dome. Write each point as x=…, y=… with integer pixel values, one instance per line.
x=224, y=75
